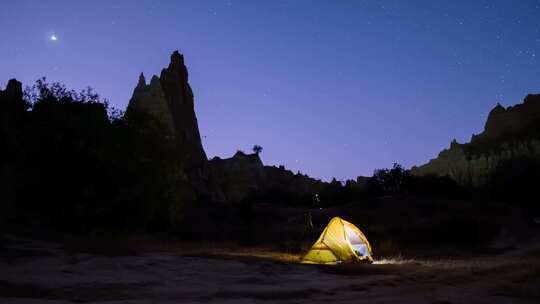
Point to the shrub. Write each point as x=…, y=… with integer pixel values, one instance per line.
x=515, y=181
x=392, y=180
x=83, y=168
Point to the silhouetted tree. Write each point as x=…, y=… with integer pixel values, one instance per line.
x=257, y=149
x=85, y=168
x=392, y=180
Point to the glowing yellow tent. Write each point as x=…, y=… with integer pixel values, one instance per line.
x=340, y=241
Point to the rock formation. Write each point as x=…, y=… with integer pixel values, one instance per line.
x=151, y=99
x=518, y=122
x=12, y=110
x=238, y=176
x=169, y=98
x=244, y=174
x=13, y=94
x=179, y=96
x=509, y=133
x=285, y=180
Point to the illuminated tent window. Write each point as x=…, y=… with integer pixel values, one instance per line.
x=357, y=244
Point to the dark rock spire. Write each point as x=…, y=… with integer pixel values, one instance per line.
x=169, y=98
x=179, y=96
x=13, y=91
x=142, y=81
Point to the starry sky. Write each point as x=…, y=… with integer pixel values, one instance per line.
x=329, y=88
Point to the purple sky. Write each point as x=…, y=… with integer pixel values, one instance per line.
x=330, y=88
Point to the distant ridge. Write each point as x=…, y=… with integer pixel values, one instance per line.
x=509, y=133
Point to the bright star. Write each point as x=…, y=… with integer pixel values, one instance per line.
x=53, y=38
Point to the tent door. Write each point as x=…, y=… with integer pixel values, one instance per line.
x=357, y=244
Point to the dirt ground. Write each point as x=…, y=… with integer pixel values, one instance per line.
x=45, y=272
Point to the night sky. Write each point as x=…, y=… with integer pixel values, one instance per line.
x=330, y=88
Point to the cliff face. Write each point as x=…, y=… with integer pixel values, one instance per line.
x=169, y=99
x=509, y=133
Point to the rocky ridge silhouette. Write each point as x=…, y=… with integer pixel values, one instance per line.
x=509, y=133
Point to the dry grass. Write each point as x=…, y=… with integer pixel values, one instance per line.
x=252, y=254
x=138, y=246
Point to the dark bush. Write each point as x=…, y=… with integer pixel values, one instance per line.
x=436, y=186
x=83, y=170
x=516, y=181
x=392, y=180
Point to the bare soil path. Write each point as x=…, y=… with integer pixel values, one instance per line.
x=45, y=273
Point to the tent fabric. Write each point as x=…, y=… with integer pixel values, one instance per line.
x=339, y=242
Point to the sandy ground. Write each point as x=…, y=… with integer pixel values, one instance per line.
x=41, y=272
